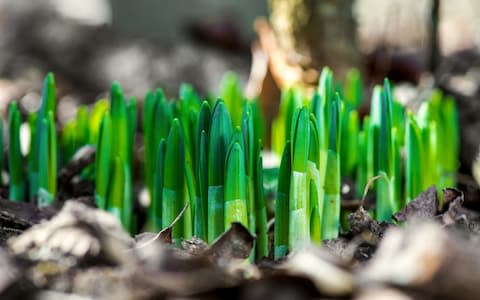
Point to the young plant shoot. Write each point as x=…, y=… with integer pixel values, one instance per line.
x=219, y=139
x=203, y=161
x=235, y=186
x=331, y=204
x=413, y=161
x=201, y=171
x=40, y=127
x=156, y=202
x=282, y=203
x=299, y=231
x=15, y=157
x=47, y=183
x=103, y=162
x=386, y=203
x=173, y=181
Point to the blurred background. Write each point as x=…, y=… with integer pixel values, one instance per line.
x=270, y=44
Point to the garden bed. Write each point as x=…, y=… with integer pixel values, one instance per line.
x=58, y=241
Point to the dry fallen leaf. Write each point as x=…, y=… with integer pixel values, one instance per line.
x=235, y=243
x=326, y=271
x=424, y=206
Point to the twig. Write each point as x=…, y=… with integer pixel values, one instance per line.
x=367, y=187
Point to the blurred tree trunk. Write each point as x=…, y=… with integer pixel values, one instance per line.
x=434, y=46
x=315, y=33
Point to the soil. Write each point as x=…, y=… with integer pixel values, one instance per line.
x=73, y=250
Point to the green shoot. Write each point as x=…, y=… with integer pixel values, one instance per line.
x=282, y=204
x=155, y=209
x=15, y=157
x=173, y=180
x=314, y=188
x=219, y=139
x=235, y=186
x=116, y=192
x=386, y=202
x=231, y=93
x=331, y=204
x=260, y=210
x=47, y=183
x=103, y=160
x=47, y=106
x=353, y=89
x=299, y=231
x=413, y=160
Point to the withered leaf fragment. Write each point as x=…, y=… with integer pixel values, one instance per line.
x=424, y=206
x=235, y=243
x=164, y=236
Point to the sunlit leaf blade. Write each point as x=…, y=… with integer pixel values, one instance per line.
x=156, y=202
x=116, y=191
x=349, y=141
x=260, y=210
x=47, y=184
x=299, y=231
x=96, y=115
x=315, y=197
x=131, y=128
x=47, y=105
x=201, y=171
x=282, y=204
x=281, y=126
x=353, y=88
x=15, y=157
x=219, y=139
x=149, y=108
x=119, y=118
x=235, y=186
x=82, y=130
x=450, y=141
x=362, y=170
x=413, y=160
x=173, y=180
x=201, y=207
x=396, y=171
x=250, y=145
x=385, y=206
x=231, y=93
x=102, y=163
x=331, y=201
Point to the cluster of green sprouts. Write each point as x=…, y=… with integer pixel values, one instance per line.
x=205, y=159
x=37, y=180
x=201, y=157
x=323, y=139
